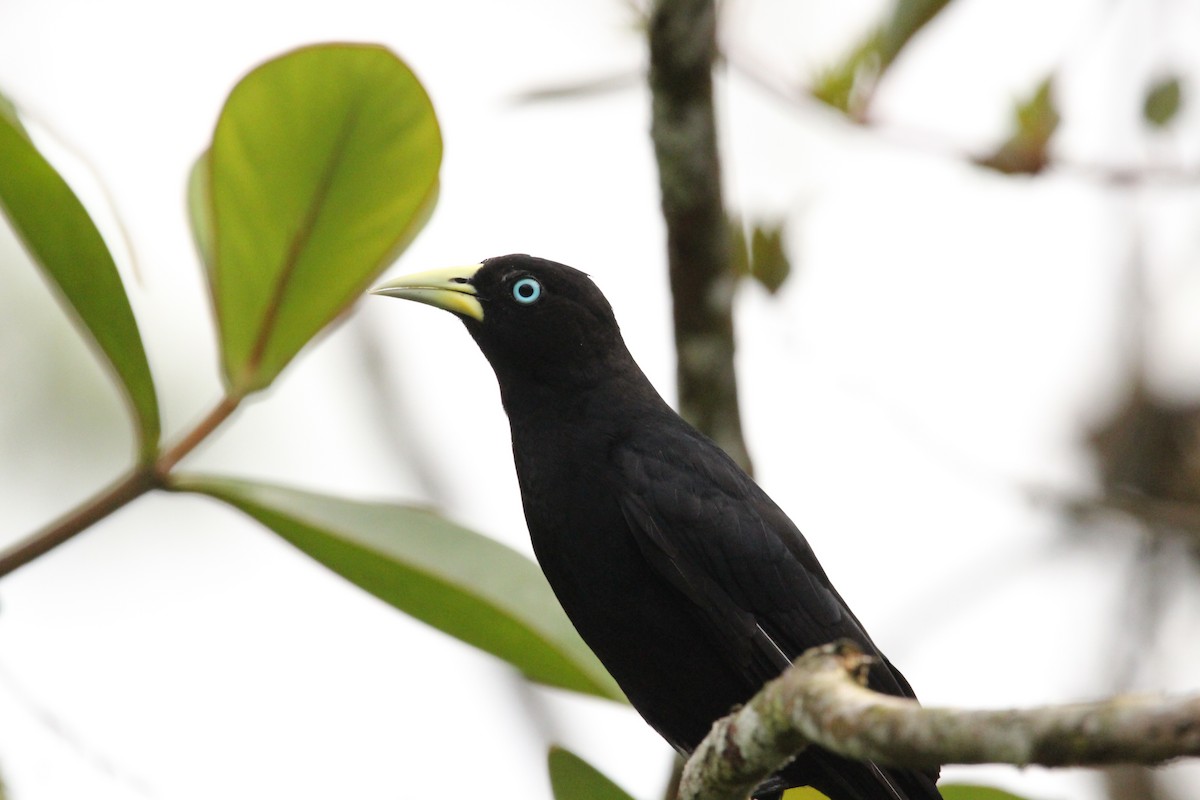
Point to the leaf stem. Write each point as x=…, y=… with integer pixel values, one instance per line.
x=132, y=485
x=167, y=460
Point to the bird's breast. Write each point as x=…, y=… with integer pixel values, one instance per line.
x=655, y=643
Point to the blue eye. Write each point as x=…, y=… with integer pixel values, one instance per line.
x=527, y=290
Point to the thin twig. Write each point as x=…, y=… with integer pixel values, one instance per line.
x=130, y=486
x=937, y=144
x=211, y=421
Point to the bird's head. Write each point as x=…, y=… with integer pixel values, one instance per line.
x=533, y=319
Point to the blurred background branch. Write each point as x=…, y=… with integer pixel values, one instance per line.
x=683, y=50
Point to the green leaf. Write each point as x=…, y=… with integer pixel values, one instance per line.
x=769, y=263
x=907, y=19
x=1037, y=117
x=1163, y=99
x=848, y=84
x=62, y=239
x=762, y=257
x=323, y=167
x=572, y=778
x=458, y=581
x=1035, y=120
x=964, y=791
x=9, y=112
x=200, y=211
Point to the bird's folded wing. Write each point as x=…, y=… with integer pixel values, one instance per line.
x=716, y=537
x=740, y=637
x=710, y=531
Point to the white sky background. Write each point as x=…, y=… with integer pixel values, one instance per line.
x=946, y=339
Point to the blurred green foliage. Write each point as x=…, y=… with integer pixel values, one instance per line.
x=456, y=580
x=1163, y=100
x=572, y=778
x=61, y=238
x=1025, y=151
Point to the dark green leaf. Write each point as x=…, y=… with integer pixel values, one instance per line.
x=62, y=239
x=1026, y=149
x=762, y=257
x=1162, y=102
x=323, y=166
x=572, y=778
x=458, y=581
x=907, y=19
x=769, y=263
x=964, y=791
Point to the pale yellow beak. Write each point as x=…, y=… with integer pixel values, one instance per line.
x=448, y=289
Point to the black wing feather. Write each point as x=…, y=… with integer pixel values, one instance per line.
x=714, y=535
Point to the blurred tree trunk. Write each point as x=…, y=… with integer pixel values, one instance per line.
x=1133, y=782
x=683, y=49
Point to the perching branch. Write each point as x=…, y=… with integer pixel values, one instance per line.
x=821, y=700
x=683, y=48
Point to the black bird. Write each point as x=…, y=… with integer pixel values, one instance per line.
x=690, y=585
